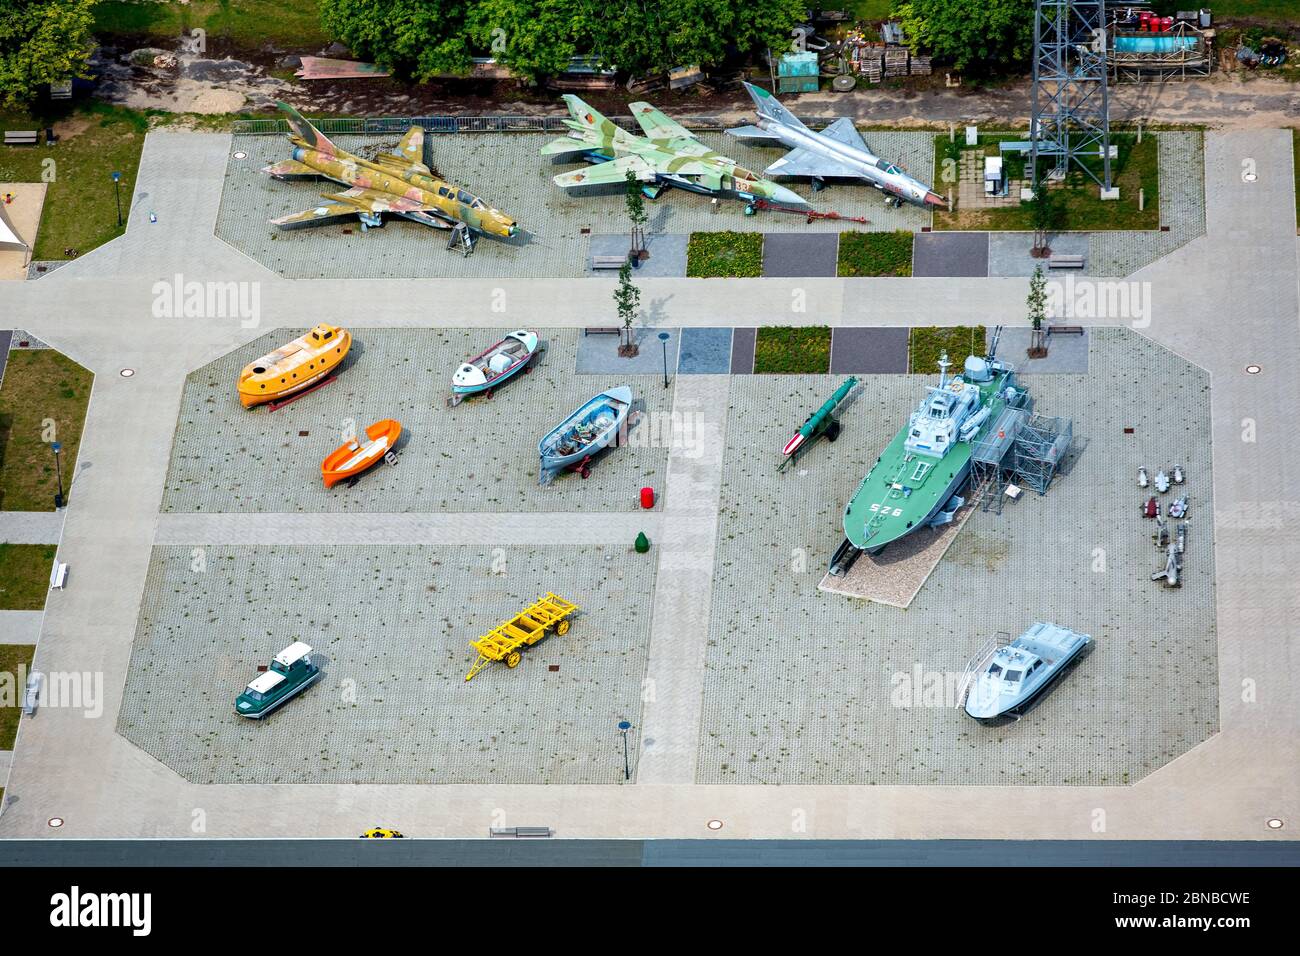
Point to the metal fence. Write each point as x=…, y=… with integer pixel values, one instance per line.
x=381, y=125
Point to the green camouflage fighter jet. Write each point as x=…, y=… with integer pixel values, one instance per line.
x=668, y=155
x=397, y=183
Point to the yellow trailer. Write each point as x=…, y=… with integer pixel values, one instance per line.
x=506, y=642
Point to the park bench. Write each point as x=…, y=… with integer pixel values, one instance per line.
x=602, y=330
x=20, y=137
x=520, y=831
x=1065, y=262
x=58, y=576
x=31, y=694
x=1065, y=330
x=608, y=262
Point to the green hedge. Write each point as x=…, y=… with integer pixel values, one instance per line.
x=785, y=350
x=925, y=345
x=875, y=253
x=733, y=255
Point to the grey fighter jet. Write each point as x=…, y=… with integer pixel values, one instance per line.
x=837, y=152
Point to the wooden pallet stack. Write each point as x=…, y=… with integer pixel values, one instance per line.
x=895, y=61
x=920, y=65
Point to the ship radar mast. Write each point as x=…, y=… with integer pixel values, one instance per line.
x=943, y=369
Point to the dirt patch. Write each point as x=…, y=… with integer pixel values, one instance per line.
x=71, y=127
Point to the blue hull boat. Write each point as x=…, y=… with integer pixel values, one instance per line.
x=495, y=366
x=592, y=427
x=1019, y=672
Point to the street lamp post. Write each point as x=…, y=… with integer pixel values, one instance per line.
x=663, y=337
x=58, y=470
x=117, y=194
x=624, y=726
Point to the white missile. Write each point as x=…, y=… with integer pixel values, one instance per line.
x=837, y=152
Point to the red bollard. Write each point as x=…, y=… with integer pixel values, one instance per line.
x=647, y=498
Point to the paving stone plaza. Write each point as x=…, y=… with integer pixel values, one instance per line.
x=801, y=686
x=479, y=456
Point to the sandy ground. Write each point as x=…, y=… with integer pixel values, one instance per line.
x=24, y=215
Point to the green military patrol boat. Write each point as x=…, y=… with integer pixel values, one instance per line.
x=915, y=481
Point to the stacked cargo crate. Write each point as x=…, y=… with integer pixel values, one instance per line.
x=895, y=61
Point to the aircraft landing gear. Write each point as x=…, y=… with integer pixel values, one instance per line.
x=818, y=184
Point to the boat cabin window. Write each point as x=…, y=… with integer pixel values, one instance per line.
x=995, y=669
x=277, y=666
x=254, y=694
x=328, y=336
x=1013, y=676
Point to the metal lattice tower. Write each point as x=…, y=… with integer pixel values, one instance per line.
x=1069, y=119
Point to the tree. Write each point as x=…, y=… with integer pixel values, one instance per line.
x=978, y=36
x=627, y=298
x=413, y=38
x=1046, y=214
x=637, y=215
x=42, y=42
x=534, y=38
x=1037, y=303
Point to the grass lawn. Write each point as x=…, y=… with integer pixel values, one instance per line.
x=1295, y=168
x=40, y=386
x=1279, y=11
x=1137, y=167
x=24, y=575
x=80, y=208
x=925, y=345
x=875, y=253
x=784, y=350
x=733, y=255
x=12, y=656
x=246, y=23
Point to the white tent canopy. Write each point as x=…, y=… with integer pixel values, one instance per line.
x=9, y=238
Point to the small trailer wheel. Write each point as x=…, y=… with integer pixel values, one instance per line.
x=513, y=659
x=562, y=627
x=833, y=431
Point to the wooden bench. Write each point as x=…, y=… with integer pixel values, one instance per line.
x=1065, y=262
x=603, y=330
x=1065, y=330
x=58, y=576
x=607, y=262
x=21, y=137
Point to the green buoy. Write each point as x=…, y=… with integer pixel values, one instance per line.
x=642, y=543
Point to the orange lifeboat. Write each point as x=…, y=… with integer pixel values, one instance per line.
x=304, y=362
x=354, y=457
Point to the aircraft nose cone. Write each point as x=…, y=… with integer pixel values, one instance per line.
x=934, y=199
x=788, y=197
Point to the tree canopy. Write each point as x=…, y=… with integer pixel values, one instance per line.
x=978, y=36
x=42, y=42
x=537, y=38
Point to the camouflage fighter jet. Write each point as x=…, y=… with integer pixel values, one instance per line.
x=668, y=155
x=397, y=183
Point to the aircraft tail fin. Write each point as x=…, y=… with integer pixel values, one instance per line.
x=769, y=107
x=309, y=134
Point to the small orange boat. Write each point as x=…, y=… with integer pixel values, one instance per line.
x=304, y=362
x=354, y=457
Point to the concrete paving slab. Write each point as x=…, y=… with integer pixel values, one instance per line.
x=803, y=687
x=480, y=456
x=391, y=628
x=1067, y=353
x=857, y=351
x=598, y=354
x=951, y=254
x=31, y=527
x=20, y=627
x=705, y=352
x=667, y=255
x=800, y=254
x=508, y=172
x=743, y=341
x=1009, y=253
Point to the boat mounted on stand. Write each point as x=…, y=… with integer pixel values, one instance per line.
x=1006, y=683
x=595, y=425
x=494, y=367
x=304, y=364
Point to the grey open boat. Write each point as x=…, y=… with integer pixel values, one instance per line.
x=596, y=424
